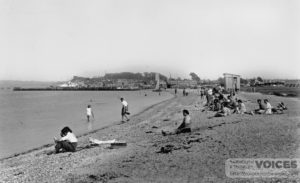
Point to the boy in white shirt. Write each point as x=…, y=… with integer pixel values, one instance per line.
x=68, y=141
x=89, y=113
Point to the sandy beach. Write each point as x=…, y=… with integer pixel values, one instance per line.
x=193, y=157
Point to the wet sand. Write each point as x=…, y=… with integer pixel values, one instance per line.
x=196, y=157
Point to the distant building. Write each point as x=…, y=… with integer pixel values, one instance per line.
x=232, y=82
x=69, y=84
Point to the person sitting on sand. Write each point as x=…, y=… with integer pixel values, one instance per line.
x=217, y=105
x=221, y=97
x=261, y=107
x=209, y=104
x=231, y=104
x=124, y=110
x=268, y=107
x=241, y=107
x=209, y=97
x=225, y=111
x=184, y=127
x=68, y=141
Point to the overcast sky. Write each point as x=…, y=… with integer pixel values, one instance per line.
x=51, y=40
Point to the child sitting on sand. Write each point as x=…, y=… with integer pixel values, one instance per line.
x=68, y=141
x=184, y=127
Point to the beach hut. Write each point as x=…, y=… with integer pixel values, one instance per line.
x=232, y=82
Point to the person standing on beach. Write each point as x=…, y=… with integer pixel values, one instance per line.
x=124, y=110
x=89, y=113
x=68, y=141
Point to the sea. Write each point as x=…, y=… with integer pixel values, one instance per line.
x=30, y=119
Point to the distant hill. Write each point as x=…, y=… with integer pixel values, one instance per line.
x=146, y=76
x=9, y=84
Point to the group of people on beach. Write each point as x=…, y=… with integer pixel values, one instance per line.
x=68, y=140
x=266, y=108
x=124, y=111
x=224, y=106
x=215, y=101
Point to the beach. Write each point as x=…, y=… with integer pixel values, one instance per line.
x=198, y=156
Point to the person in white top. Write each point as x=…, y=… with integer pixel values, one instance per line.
x=184, y=127
x=241, y=107
x=68, y=141
x=124, y=110
x=268, y=107
x=89, y=113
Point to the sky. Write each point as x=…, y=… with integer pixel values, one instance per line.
x=53, y=40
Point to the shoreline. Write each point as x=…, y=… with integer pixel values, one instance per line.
x=84, y=134
x=198, y=156
x=74, y=89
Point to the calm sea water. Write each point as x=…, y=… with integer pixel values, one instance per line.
x=30, y=119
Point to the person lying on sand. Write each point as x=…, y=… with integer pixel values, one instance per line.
x=68, y=141
x=184, y=127
x=280, y=108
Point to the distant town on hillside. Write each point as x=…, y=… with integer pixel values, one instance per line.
x=147, y=80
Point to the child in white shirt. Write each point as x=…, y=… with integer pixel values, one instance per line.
x=89, y=113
